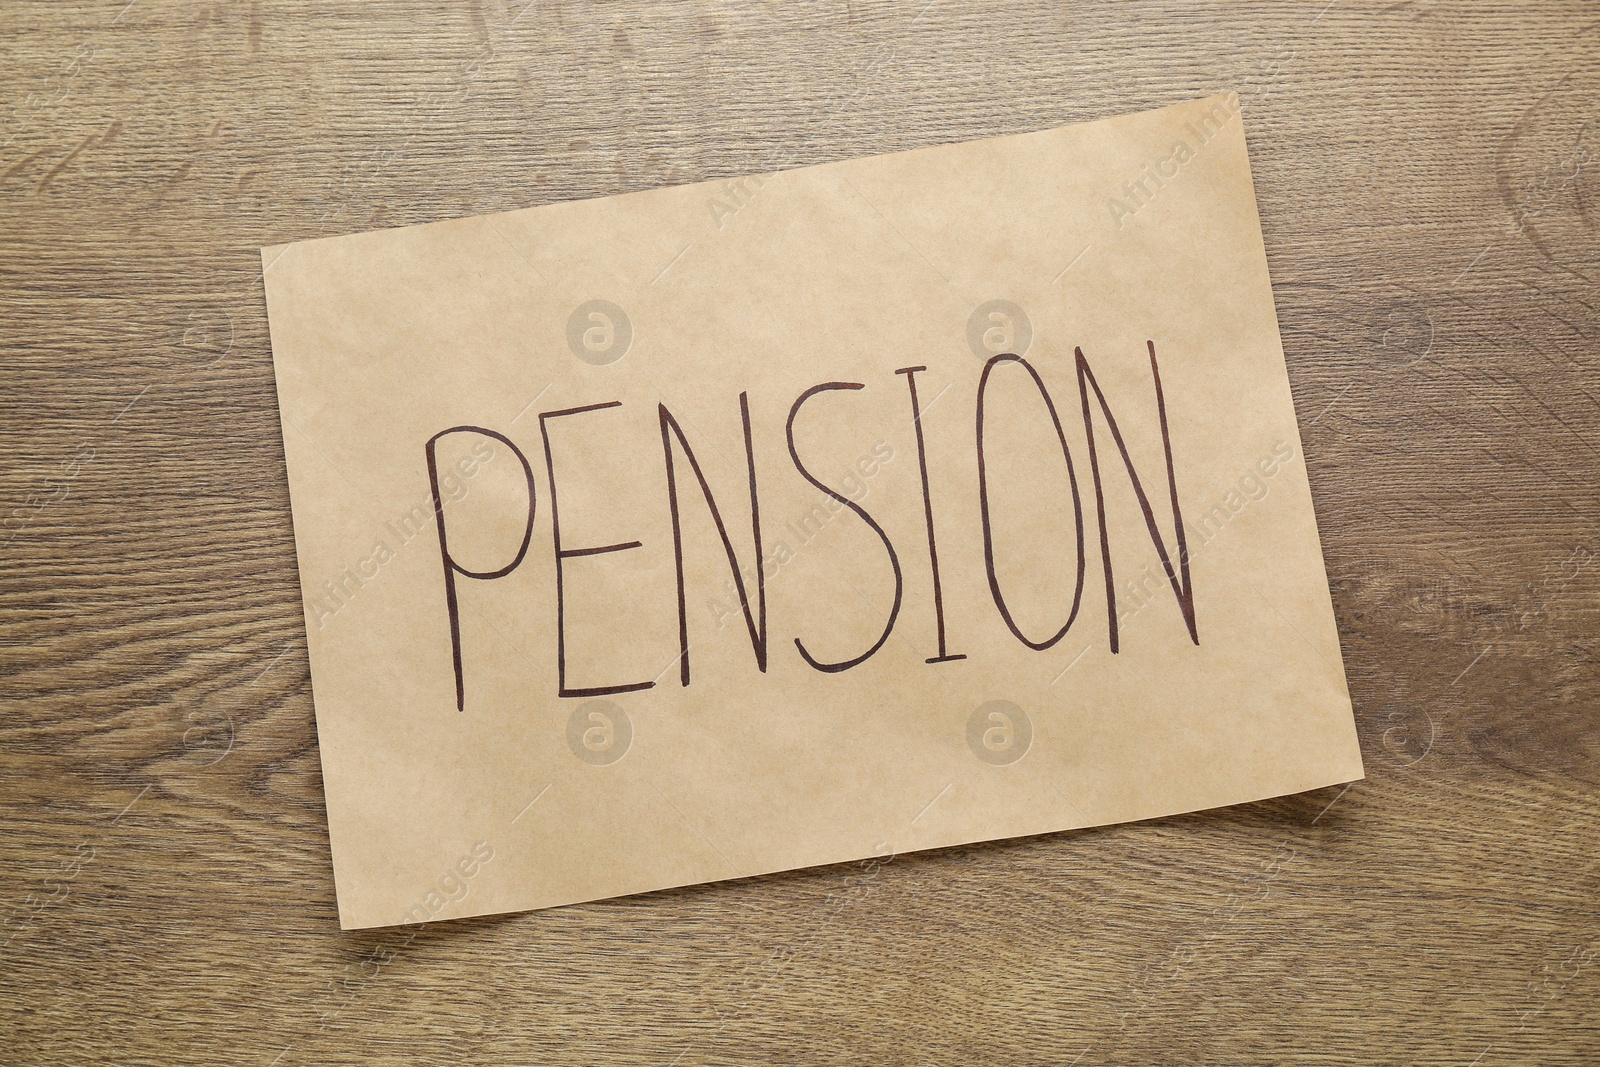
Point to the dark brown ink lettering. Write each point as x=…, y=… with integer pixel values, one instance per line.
x=983, y=504
x=894, y=560
x=1182, y=590
x=568, y=553
x=451, y=567
x=927, y=510
x=758, y=629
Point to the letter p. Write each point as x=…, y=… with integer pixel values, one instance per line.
x=451, y=567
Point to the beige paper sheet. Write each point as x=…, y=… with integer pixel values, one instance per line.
x=500, y=683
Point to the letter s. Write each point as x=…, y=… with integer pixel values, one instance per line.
x=861, y=513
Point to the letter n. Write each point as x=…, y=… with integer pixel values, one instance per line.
x=757, y=623
x=1180, y=587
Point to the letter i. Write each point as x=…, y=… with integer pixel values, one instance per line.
x=927, y=509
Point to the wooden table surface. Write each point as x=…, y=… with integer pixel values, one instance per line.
x=1429, y=182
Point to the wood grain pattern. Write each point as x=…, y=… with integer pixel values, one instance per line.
x=1429, y=180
